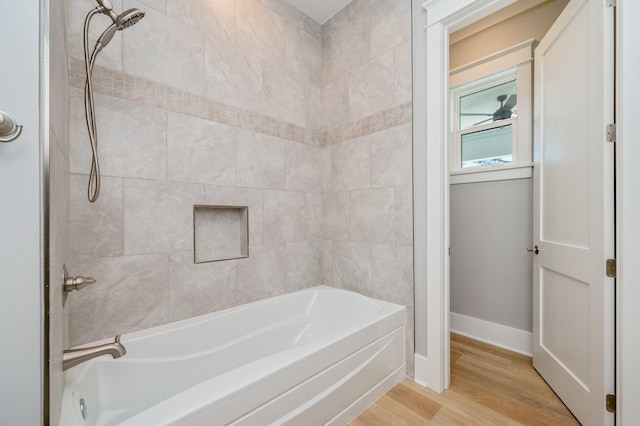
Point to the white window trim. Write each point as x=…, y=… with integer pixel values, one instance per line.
x=512, y=63
x=492, y=173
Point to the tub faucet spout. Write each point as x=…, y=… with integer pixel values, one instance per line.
x=73, y=357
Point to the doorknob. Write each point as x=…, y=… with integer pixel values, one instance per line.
x=534, y=250
x=9, y=130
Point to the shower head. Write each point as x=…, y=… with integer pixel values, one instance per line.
x=129, y=18
x=126, y=19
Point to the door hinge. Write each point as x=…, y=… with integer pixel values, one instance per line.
x=611, y=3
x=611, y=403
x=611, y=132
x=611, y=267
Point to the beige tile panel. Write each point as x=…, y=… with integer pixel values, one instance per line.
x=304, y=264
x=197, y=289
x=130, y=293
x=263, y=274
x=96, y=229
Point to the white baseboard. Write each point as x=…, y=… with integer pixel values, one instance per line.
x=496, y=334
x=420, y=373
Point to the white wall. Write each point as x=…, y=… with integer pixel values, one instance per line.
x=485, y=37
x=20, y=222
x=628, y=151
x=491, y=271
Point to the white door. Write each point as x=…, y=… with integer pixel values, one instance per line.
x=573, y=325
x=20, y=223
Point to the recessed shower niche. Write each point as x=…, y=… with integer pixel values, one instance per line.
x=220, y=233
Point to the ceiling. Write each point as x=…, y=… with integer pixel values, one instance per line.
x=320, y=11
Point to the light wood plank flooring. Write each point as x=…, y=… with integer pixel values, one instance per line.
x=489, y=386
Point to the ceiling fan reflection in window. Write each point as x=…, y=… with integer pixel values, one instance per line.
x=504, y=112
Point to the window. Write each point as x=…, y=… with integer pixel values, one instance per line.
x=491, y=117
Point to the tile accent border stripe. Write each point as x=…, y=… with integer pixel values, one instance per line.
x=126, y=86
x=392, y=117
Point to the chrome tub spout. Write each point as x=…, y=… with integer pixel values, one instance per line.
x=73, y=357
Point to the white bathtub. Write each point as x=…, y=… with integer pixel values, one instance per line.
x=317, y=356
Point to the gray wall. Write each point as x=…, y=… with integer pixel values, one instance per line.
x=491, y=271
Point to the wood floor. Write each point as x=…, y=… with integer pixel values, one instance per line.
x=489, y=386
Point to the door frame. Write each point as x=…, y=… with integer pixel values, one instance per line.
x=433, y=21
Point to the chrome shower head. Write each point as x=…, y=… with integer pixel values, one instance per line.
x=129, y=18
x=126, y=19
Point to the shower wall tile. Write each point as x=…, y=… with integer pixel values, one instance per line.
x=263, y=274
x=284, y=216
x=131, y=138
x=335, y=103
x=403, y=72
x=293, y=16
x=304, y=167
x=200, y=151
x=260, y=161
x=313, y=109
x=273, y=107
x=263, y=108
x=130, y=293
x=404, y=215
x=314, y=212
x=111, y=56
x=327, y=169
x=367, y=157
x=391, y=157
x=283, y=86
x=96, y=229
x=214, y=18
x=58, y=248
x=336, y=208
x=352, y=266
x=233, y=76
x=304, y=264
x=372, y=215
x=158, y=216
x=303, y=54
x=233, y=196
x=164, y=49
x=160, y=5
x=389, y=27
x=327, y=262
x=371, y=87
x=392, y=273
x=58, y=244
x=351, y=164
x=197, y=289
x=349, y=46
x=261, y=31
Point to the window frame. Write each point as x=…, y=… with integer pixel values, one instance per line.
x=515, y=63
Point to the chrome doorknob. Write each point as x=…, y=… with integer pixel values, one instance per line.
x=534, y=250
x=9, y=129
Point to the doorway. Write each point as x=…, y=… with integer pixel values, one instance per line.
x=431, y=181
x=491, y=173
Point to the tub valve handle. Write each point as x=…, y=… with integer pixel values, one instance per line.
x=75, y=283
